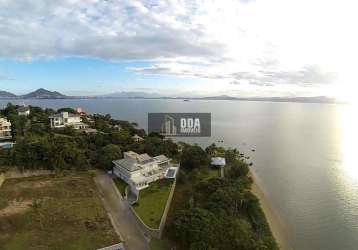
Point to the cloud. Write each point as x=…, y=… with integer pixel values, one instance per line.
x=4, y=77
x=262, y=43
x=308, y=75
x=112, y=29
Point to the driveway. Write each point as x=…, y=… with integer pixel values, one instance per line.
x=122, y=217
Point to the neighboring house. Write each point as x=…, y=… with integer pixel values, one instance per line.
x=117, y=127
x=138, y=170
x=65, y=119
x=137, y=138
x=23, y=110
x=90, y=131
x=5, y=129
x=219, y=162
x=80, y=111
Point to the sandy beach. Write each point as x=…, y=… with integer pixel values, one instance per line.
x=276, y=226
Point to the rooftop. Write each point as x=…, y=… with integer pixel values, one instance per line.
x=161, y=158
x=218, y=161
x=128, y=163
x=133, y=161
x=61, y=115
x=137, y=137
x=23, y=109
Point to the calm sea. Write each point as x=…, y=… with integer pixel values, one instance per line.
x=305, y=158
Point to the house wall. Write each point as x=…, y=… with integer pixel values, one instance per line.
x=26, y=113
x=72, y=120
x=5, y=128
x=56, y=122
x=66, y=120
x=120, y=172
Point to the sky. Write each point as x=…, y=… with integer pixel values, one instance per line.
x=180, y=47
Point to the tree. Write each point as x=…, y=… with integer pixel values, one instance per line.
x=195, y=227
x=193, y=157
x=108, y=154
x=69, y=110
x=238, y=168
x=231, y=155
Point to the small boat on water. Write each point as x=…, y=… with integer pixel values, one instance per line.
x=186, y=100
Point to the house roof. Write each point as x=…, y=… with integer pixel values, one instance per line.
x=218, y=161
x=140, y=158
x=161, y=158
x=58, y=115
x=127, y=163
x=137, y=137
x=4, y=121
x=23, y=109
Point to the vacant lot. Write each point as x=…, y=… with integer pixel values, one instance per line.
x=61, y=211
x=152, y=201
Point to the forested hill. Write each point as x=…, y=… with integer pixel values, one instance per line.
x=207, y=212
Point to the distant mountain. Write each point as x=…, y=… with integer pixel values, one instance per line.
x=131, y=94
x=144, y=95
x=220, y=97
x=5, y=94
x=44, y=94
x=309, y=99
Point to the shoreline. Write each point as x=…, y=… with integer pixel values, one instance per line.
x=276, y=227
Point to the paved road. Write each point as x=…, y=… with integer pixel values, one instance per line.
x=122, y=217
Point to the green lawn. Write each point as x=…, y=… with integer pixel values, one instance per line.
x=152, y=201
x=61, y=211
x=121, y=185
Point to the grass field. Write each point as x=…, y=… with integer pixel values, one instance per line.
x=61, y=211
x=152, y=201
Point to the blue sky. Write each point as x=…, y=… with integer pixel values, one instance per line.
x=82, y=76
x=179, y=47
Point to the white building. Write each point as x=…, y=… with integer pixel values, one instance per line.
x=137, y=138
x=65, y=119
x=219, y=162
x=138, y=170
x=24, y=110
x=5, y=129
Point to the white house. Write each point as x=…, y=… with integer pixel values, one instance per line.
x=5, y=129
x=219, y=162
x=138, y=170
x=23, y=110
x=65, y=119
x=137, y=138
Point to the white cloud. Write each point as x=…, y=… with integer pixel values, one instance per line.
x=256, y=42
x=113, y=29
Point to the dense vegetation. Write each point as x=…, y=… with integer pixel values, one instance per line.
x=39, y=146
x=207, y=212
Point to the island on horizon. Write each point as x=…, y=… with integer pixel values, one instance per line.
x=47, y=94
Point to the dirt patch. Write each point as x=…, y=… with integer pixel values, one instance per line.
x=35, y=184
x=16, y=207
x=2, y=179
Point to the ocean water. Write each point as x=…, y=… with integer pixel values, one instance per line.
x=305, y=158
